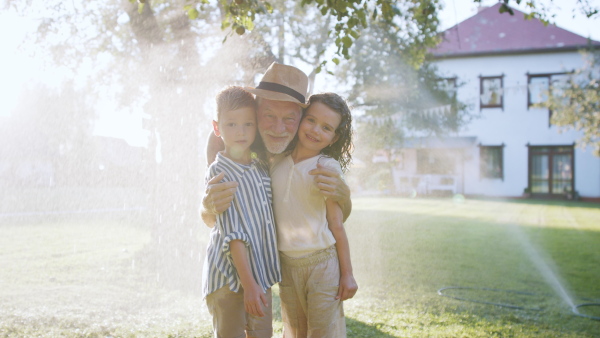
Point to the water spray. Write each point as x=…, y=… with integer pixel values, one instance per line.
x=545, y=269
x=574, y=308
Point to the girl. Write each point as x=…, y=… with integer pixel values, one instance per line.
x=314, y=251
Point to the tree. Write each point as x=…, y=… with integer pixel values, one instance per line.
x=352, y=16
x=159, y=61
x=576, y=103
x=52, y=125
x=543, y=10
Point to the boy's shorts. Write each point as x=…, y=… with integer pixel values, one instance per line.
x=230, y=319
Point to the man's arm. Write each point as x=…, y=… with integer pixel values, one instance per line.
x=214, y=144
x=218, y=196
x=333, y=187
x=216, y=199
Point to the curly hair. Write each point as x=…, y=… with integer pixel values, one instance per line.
x=341, y=149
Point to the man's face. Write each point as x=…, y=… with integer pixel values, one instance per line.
x=278, y=123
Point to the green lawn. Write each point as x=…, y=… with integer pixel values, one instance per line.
x=83, y=278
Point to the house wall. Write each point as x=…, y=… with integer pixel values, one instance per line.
x=515, y=125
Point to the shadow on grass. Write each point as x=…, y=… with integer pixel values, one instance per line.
x=357, y=328
x=540, y=201
x=515, y=200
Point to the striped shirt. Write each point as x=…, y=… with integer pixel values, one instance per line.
x=249, y=219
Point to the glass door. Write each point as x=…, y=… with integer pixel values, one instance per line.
x=551, y=170
x=562, y=175
x=540, y=174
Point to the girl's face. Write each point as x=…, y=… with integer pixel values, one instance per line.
x=317, y=128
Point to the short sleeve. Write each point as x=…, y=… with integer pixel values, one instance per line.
x=232, y=237
x=331, y=163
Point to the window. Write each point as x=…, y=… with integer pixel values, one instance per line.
x=491, y=91
x=538, y=86
x=491, y=161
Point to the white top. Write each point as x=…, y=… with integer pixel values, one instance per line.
x=299, y=207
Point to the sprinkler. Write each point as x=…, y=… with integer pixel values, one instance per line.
x=576, y=310
x=511, y=306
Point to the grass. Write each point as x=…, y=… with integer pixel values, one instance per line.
x=82, y=277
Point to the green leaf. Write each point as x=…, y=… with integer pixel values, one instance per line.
x=269, y=7
x=347, y=42
x=249, y=24
x=504, y=8
x=336, y=61
x=193, y=14
x=362, y=17
x=352, y=22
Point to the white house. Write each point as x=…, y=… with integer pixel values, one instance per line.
x=502, y=64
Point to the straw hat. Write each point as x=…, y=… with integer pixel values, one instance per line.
x=282, y=83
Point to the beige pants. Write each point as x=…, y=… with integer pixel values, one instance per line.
x=230, y=319
x=308, y=288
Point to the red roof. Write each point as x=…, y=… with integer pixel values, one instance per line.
x=491, y=32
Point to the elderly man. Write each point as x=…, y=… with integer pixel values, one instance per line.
x=280, y=96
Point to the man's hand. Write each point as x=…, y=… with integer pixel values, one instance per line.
x=217, y=198
x=333, y=187
x=330, y=183
x=347, y=288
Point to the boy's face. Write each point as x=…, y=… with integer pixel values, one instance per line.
x=237, y=128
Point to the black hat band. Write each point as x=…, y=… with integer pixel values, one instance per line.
x=276, y=87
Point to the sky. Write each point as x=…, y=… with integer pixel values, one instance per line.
x=17, y=69
x=566, y=14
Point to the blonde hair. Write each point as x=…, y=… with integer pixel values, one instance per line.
x=233, y=98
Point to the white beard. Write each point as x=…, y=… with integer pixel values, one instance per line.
x=275, y=147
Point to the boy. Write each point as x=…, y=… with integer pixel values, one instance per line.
x=242, y=261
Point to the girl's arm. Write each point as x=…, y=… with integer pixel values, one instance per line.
x=348, y=286
x=332, y=186
x=253, y=294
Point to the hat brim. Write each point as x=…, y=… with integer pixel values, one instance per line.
x=275, y=96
